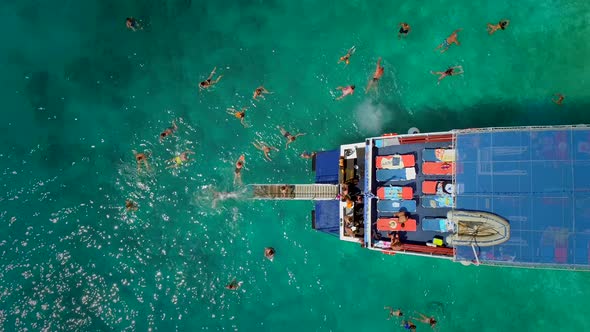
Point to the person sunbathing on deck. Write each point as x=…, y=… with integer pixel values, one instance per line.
x=452, y=39
x=180, y=159
x=290, y=138
x=347, y=90
x=426, y=320
x=169, y=131
x=500, y=26
x=264, y=148
x=376, y=76
x=260, y=92
x=449, y=72
x=241, y=114
x=397, y=313
x=206, y=84
x=346, y=58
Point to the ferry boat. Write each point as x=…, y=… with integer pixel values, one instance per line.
x=491, y=196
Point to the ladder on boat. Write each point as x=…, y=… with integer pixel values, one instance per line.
x=295, y=191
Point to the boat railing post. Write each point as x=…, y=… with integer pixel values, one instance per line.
x=475, y=253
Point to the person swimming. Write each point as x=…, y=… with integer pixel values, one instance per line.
x=376, y=76
x=264, y=148
x=427, y=320
x=260, y=92
x=169, y=131
x=180, y=159
x=347, y=90
x=241, y=115
x=209, y=82
x=132, y=24
x=392, y=312
x=234, y=285
x=408, y=325
x=269, y=252
x=238, y=170
x=141, y=159
x=449, y=72
x=290, y=138
x=130, y=205
x=306, y=155
x=346, y=58
x=559, y=99
x=452, y=39
x=500, y=26
x=404, y=29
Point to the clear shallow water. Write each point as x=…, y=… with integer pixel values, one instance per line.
x=80, y=92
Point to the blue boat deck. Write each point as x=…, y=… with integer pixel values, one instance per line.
x=539, y=180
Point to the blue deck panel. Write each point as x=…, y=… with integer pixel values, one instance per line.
x=539, y=180
x=327, y=217
x=327, y=166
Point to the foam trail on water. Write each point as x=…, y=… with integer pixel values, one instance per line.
x=371, y=117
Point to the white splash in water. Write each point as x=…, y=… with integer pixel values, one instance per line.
x=371, y=117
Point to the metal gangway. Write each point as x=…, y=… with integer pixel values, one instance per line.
x=295, y=191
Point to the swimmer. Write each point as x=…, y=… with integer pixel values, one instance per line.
x=269, y=252
x=206, y=84
x=234, y=285
x=397, y=313
x=141, y=158
x=500, y=26
x=306, y=155
x=449, y=72
x=450, y=40
x=238, y=170
x=427, y=320
x=408, y=325
x=376, y=76
x=169, y=131
x=559, y=99
x=346, y=58
x=241, y=114
x=132, y=24
x=130, y=205
x=259, y=92
x=264, y=148
x=290, y=138
x=182, y=158
x=347, y=90
x=404, y=29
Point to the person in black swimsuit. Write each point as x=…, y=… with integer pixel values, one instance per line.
x=404, y=29
x=290, y=137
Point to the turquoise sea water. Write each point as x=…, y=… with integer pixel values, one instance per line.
x=80, y=92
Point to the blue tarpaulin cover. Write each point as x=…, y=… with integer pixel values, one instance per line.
x=539, y=180
x=327, y=216
x=327, y=166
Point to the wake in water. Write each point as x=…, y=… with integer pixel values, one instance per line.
x=371, y=117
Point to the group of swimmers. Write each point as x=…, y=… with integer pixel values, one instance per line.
x=408, y=324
